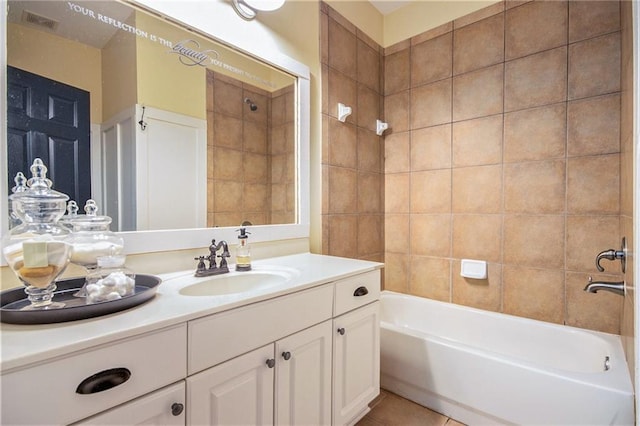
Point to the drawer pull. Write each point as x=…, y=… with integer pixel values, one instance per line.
x=177, y=408
x=271, y=363
x=341, y=331
x=286, y=356
x=103, y=381
x=361, y=291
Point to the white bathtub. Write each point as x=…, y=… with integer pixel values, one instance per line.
x=481, y=367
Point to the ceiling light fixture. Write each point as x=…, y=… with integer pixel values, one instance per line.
x=247, y=9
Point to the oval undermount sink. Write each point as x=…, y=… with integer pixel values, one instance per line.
x=238, y=282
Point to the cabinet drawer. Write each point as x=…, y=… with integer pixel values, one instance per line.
x=222, y=336
x=48, y=393
x=356, y=291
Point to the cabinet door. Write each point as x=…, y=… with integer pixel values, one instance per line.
x=236, y=392
x=356, y=362
x=303, y=377
x=162, y=407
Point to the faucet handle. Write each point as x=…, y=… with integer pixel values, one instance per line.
x=613, y=254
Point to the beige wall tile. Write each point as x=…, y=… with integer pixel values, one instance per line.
x=589, y=235
x=478, y=93
x=431, y=234
x=396, y=193
x=254, y=137
x=397, y=72
x=534, y=27
x=594, y=125
x=396, y=272
x=535, y=134
x=536, y=241
x=222, y=201
x=477, y=237
x=593, y=18
x=478, y=45
x=342, y=89
x=255, y=197
x=595, y=311
x=227, y=131
x=534, y=293
x=228, y=99
x=342, y=49
x=594, y=66
x=477, y=189
x=397, y=152
x=368, y=66
x=396, y=112
x=396, y=233
x=536, y=80
x=593, y=184
x=343, y=235
x=255, y=167
x=431, y=60
x=481, y=294
x=369, y=151
x=430, y=277
x=431, y=148
x=431, y=191
x=369, y=192
x=370, y=235
x=342, y=190
x=432, y=33
x=342, y=143
x=227, y=164
x=368, y=109
x=477, y=142
x=535, y=187
x=431, y=104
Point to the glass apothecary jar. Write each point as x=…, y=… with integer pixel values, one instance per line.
x=111, y=280
x=91, y=237
x=36, y=249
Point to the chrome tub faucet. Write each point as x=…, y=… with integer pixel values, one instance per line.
x=613, y=287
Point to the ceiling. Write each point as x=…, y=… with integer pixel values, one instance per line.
x=387, y=6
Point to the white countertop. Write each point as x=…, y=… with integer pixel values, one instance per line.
x=22, y=345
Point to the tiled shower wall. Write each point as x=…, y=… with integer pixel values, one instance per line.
x=352, y=171
x=251, y=163
x=505, y=147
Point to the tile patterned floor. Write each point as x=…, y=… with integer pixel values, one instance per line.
x=390, y=409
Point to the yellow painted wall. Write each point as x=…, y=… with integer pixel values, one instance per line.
x=364, y=16
x=59, y=59
x=119, y=74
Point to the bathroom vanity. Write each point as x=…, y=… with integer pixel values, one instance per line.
x=301, y=349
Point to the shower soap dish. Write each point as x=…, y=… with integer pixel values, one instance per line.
x=475, y=269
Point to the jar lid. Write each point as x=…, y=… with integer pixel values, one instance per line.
x=87, y=222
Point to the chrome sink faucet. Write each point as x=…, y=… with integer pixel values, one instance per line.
x=214, y=268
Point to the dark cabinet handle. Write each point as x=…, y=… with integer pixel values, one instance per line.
x=177, y=408
x=361, y=291
x=271, y=363
x=286, y=356
x=103, y=381
x=341, y=331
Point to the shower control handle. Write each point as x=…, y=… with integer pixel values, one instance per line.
x=613, y=254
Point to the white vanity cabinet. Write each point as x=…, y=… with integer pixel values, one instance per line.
x=287, y=382
x=164, y=407
x=308, y=355
x=356, y=347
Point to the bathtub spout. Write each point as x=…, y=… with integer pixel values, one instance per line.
x=613, y=287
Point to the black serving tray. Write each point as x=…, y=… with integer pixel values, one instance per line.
x=11, y=301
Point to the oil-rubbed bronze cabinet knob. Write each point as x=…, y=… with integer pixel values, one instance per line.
x=341, y=331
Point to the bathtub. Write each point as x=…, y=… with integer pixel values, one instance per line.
x=481, y=367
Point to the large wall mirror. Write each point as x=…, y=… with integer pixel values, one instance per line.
x=169, y=129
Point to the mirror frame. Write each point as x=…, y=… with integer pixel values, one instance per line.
x=196, y=16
